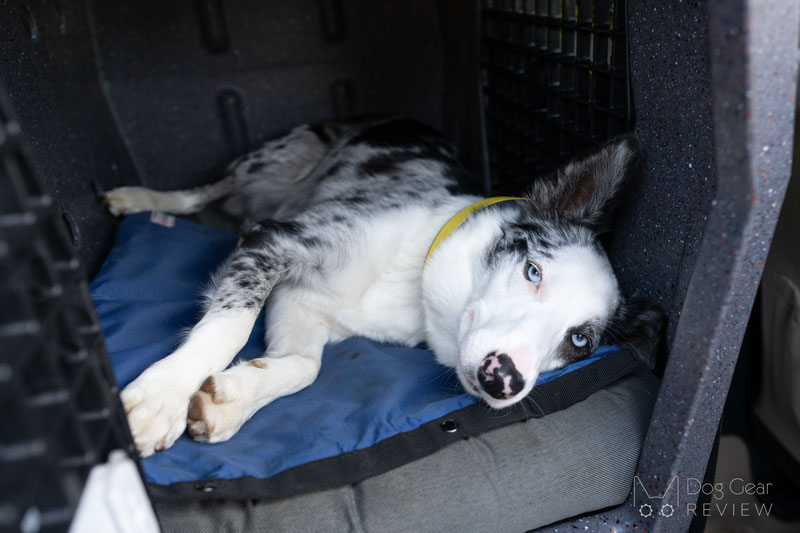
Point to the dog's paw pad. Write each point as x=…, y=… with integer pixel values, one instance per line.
x=210, y=420
x=221, y=388
x=198, y=425
x=209, y=386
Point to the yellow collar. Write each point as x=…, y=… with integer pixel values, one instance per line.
x=459, y=218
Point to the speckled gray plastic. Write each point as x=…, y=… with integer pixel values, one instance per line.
x=714, y=88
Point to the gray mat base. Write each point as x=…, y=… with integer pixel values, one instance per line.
x=511, y=479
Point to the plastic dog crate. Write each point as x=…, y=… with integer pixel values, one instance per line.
x=164, y=94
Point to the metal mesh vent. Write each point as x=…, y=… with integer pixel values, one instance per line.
x=555, y=82
x=58, y=396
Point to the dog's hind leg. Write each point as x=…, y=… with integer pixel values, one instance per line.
x=128, y=200
x=157, y=401
x=276, y=166
x=226, y=400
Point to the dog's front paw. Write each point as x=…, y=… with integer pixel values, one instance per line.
x=128, y=200
x=218, y=409
x=156, y=412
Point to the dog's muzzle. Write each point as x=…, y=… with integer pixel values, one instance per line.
x=499, y=377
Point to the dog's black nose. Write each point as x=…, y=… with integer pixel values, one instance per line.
x=499, y=377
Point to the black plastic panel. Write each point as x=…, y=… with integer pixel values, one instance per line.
x=165, y=93
x=58, y=397
x=193, y=84
x=555, y=82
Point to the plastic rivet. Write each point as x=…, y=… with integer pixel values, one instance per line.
x=207, y=486
x=449, y=426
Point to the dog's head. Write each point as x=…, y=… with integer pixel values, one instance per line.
x=545, y=294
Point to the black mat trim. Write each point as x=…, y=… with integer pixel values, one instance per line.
x=403, y=448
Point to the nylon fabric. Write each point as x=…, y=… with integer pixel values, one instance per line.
x=149, y=292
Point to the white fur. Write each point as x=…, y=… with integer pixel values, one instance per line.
x=156, y=401
x=373, y=291
x=370, y=279
x=381, y=291
x=470, y=313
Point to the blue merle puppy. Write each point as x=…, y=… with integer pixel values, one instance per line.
x=364, y=231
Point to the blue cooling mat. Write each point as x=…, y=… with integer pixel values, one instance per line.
x=148, y=293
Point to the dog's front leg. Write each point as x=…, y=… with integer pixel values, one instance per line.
x=157, y=401
x=228, y=399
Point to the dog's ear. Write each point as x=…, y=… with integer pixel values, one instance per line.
x=585, y=189
x=637, y=325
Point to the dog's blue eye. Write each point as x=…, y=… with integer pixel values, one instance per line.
x=579, y=340
x=533, y=274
